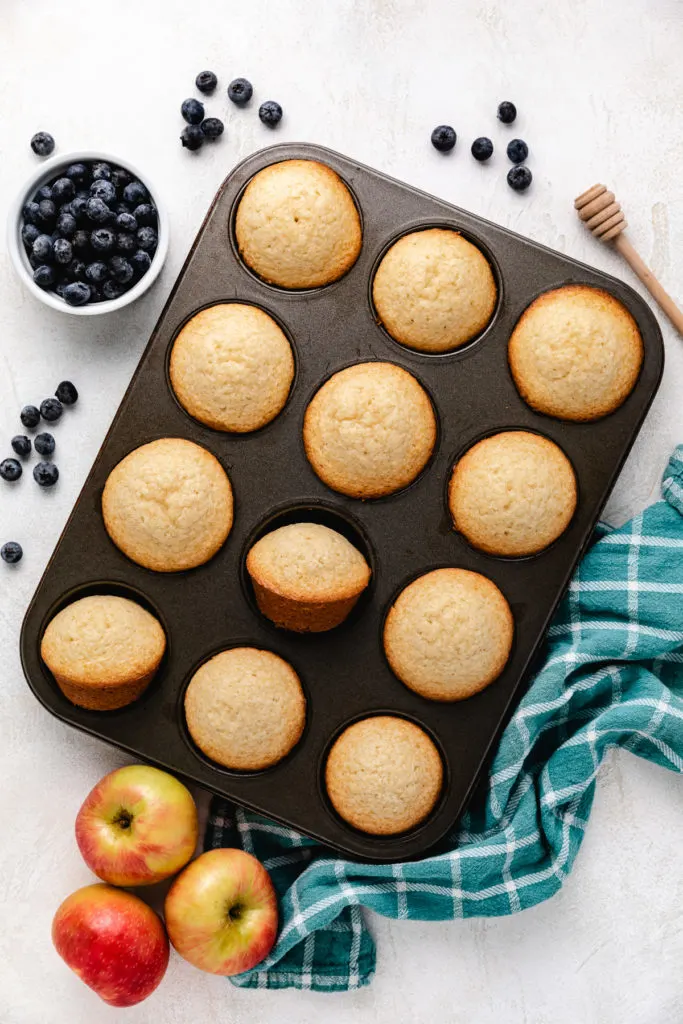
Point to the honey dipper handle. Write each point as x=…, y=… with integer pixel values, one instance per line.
x=663, y=299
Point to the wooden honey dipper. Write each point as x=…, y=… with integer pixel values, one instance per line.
x=600, y=212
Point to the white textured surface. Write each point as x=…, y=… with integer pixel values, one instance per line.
x=598, y=84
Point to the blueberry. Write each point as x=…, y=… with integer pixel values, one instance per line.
x=63, y=252
x=47, y=213
x=135, y=193
x=444, y=138
x=95, y=293
x=111, y=290
x=517, y=151
x=104, y=190
x=145, y=215
x=42, y=144
x=43, y=248
x=78, y=207
x=51, y=409
x=63, y=190
x=60, y=287
x=44, y=192
x=101, y=171
x=11, y=552
x=147, y=239
x=240, y=91
x=75, y=270
x=31, y=212
x=482, y=148
x=125, y=242
x=21, y=444
x=126, y=221
x=102, y=240
x=30, y=416
x=97, y=210
x=212, y=127
x=78, y=173
x=141, y=262
x=206, y=82
x=44, y=276
x=507, y=112
x=121, y=270
x=66, y=393
x=44, y=444
x=10, y=470
x=76, y=294
x=192, y=137
x=192, y=111
x=66, y=225
x=29, y=233
x=519, y=178
x=81, y=241
x=45, y=474
x=97, y=272
x=35, y=263
x=120, y=178
x=270, y=113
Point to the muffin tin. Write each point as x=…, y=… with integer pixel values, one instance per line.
x=344, y=672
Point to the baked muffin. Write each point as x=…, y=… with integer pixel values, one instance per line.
x=369, y=430
x=168, y=505
x=512, y=494
x=434, y=290
x=245, y=708
x=103, y=651
x=576, y=353
x=232, y=367
x=383, y=775
x=306, y=577
x=448, y=634
x=297, y=225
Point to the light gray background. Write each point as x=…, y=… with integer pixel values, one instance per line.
x=599, y=85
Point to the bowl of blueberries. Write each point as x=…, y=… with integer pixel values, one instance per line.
x=87, y=234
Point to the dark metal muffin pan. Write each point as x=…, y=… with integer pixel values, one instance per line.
x=344, y=672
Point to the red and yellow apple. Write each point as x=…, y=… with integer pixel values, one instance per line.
x=137, y=826
x=221, y=912
x=113, y=941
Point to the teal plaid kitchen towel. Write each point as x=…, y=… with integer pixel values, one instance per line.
x=612, y=675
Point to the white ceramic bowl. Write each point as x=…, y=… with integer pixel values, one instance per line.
x=50, y=169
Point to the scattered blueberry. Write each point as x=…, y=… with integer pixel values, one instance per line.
x=78, y=173
x=29, y=233
x=43, y=248
x=44, y=276
x=81, y=241
x=111, y=290
x=63, y=252
x=51, y=409
x=21, y=445
x=63, y=190
x=77, y=294
x=101, y=171
x=517, y=151
x=444, y=138
x=104, y=190
x=121, y=270
x=45, y=474
x=44, y=444
x=192, y=111
x=125, y=242
x=11, y=552
x=44, y=192
x=519, y=178
x=10, y=470
x=507, y=112
x=66, y=225
x=141, y=262
x=270, y=113
x=147, y=239
x=240, y=91
x=482, y=148
x=145, y=215
x=97, y=272
x=66, y=393
x=192, y=137
x=47, y=213
x=30, y=416
x=31, y=212
x=126, y=221
x=206, y=82
x=135, y=193
x=103, y=240
x=212, y=127
x=97, y=210
x=42, y=144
